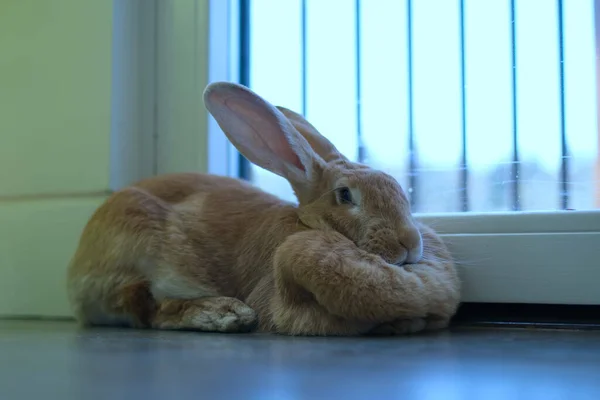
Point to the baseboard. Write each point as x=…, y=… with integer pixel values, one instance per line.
x=539, y=316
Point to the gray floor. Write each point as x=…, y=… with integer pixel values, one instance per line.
x=44, y=360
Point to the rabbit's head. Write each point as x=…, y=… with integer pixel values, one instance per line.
x=366, y=205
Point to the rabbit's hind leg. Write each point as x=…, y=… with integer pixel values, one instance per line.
x=132, y=304
x=186, y=299
x=124, y=301
x=209, y=314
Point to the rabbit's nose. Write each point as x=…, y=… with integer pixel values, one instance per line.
x=401, y=259
x=411, y=256
x=413, y=242
x=414, y=255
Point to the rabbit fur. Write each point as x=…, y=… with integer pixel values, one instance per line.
x=193, y=251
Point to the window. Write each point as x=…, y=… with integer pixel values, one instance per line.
x=471, y=105
x=494, y=155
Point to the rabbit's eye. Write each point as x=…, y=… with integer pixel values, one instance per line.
x=345, y=196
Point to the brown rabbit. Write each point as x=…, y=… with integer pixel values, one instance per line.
x=210, y=253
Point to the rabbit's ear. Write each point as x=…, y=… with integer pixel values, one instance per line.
x=320, y=144
x=261, y=132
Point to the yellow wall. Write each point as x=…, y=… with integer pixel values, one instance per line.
x=55, y=75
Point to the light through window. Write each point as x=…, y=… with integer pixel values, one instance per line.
x=472, y=105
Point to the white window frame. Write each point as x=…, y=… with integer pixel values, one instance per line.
x=524, y=257
x=133, y=92
x=159, y=123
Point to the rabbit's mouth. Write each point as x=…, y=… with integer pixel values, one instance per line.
x=384, y=242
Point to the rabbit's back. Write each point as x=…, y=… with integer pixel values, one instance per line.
x=179, y=187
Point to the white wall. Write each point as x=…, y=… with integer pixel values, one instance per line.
x=55, y=80
x=93, y=96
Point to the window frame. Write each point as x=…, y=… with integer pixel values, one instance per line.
x=513, y=257
x=133, y=152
